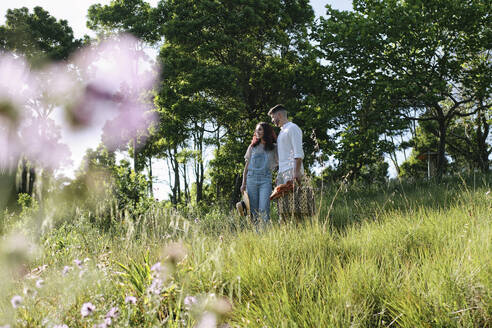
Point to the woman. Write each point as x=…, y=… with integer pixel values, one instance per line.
x=261, y=158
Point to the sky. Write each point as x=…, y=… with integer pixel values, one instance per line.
x=75, y=13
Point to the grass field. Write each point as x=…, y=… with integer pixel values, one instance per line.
x=415, y=255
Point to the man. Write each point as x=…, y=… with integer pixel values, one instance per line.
x=289, y=145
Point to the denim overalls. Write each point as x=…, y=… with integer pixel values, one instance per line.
x=259, y=183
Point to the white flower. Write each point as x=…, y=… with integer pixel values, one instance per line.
x=60, y=326
x=16, y=301
x=40, y=283
x=87, y=309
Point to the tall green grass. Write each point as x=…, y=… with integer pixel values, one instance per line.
x=414, y=255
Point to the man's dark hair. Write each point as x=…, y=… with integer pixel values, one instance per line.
x=277, y=108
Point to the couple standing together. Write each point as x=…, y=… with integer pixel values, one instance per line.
x=264, y=154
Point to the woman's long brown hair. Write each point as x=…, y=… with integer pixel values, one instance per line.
x=269, y=136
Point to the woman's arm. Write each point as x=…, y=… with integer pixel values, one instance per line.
x=247, y=157
x=245, y=174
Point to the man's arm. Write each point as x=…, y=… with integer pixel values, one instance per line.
x=297, y=169
x=296, y=139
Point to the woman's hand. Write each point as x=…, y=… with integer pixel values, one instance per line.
x=243, y=188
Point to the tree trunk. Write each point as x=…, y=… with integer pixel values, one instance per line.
x=185, y=181
x=217, y=140
x=237, y=190
x=7, y=191
x=135, y=154
x=441, y=150
x=482, y=134
x=23, y=182
x=175, y=167
x=151, y=185
x=32, y=178
x=199, y=170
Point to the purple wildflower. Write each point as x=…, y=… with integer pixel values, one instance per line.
x=189, y=301
x=156, y=268
x=131, y=300
x=66, y=269
x=16, y=301
x=87, y=309
x=156, y=286
x=113, y=313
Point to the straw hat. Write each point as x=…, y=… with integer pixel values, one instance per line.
x=243, y=205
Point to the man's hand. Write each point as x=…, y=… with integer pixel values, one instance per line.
x=297, y=177
x=243, y=188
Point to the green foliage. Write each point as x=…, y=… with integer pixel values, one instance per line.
x=38, y=35
x=411, y=60
x=135, y=17
x=225, y=72
x=137, y=276
x=412, y=254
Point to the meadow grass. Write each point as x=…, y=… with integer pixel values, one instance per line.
x=415, y=255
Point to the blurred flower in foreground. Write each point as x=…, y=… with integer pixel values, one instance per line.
x=209, y=309
x=15, y=88
x=60, y=326
x=104, y=83
x=174, y=253
x=17, y=251
x=16, y=301
x=87, y=309
x=38, y=135
x=116, y=77
x=39, y=283
x=207, y=320
x=16, y=85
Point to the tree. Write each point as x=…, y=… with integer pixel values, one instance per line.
x=468, y=141
x=38, y=35
x=136, y=18
x=40, y=38
x=231, y=61
x=432, y=57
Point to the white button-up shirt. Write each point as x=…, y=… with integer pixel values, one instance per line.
x=289, y=144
